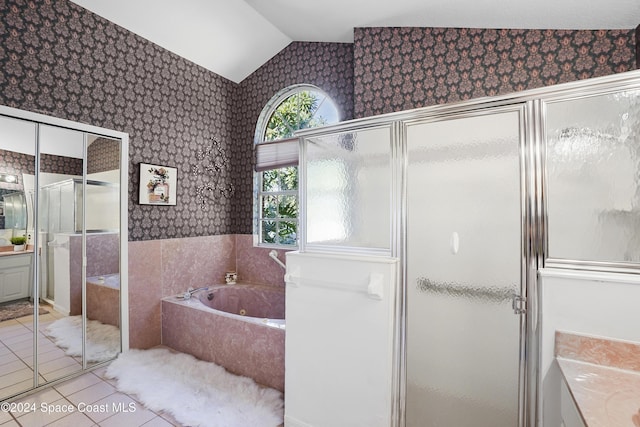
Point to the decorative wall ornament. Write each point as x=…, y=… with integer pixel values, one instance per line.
x=213, y=168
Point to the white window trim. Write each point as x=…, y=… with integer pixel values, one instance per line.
x=277, y=162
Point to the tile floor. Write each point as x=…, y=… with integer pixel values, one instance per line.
x=88, y=400
x=16, y=354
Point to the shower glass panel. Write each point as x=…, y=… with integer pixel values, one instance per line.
x=593, y=174
x=348, y=189
x=463, y=266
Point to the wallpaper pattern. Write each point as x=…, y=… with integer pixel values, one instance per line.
x=638, y=46
x=103, y=154
x=402, y=68
x=328, y=66
x=59, y=59
x=60, y=164
x=18, y=163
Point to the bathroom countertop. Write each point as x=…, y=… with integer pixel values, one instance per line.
x=11, y=253
x=603, y=377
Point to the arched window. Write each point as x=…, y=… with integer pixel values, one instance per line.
x=276, y=182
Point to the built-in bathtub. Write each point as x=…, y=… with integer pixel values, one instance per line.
x=240, y=327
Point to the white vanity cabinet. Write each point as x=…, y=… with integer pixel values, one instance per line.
x=14, y=276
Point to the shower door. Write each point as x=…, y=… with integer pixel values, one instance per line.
x=464, y=262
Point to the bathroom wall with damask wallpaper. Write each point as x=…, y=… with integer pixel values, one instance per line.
x=59, y=59
x=402, y=68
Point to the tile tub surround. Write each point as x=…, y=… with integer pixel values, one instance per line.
x=603, y=378
x=257, y=301
x=243, y=348
x=254, y=265
x=161, y=268
x=196, y=262
x=103, y=258
x=103, y=299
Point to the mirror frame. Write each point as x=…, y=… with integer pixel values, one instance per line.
x=41, y=119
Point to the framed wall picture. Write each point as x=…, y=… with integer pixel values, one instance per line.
x=158, y=185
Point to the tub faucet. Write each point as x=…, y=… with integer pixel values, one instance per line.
x=192, y=291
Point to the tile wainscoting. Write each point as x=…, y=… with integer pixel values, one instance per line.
x=161, y=268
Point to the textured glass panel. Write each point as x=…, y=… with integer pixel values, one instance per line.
x=348, y=189
x=463, y=266
x=593, y=169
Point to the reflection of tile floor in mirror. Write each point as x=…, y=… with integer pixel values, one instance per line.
x=16, y=354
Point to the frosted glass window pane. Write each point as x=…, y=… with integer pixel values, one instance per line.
x=463, y=267
x=593, y=168
x=348, y=189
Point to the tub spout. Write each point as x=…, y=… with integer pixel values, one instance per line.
x=192, y=291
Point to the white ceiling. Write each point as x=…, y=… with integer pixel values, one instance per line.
x=233, y=38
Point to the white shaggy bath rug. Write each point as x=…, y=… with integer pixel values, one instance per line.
x=194, y=392
x=103, y=341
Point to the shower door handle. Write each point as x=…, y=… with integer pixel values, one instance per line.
x=518, y=304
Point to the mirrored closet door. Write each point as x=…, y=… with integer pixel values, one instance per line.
x=69, y=205
x=61, y=162
x=17, y=159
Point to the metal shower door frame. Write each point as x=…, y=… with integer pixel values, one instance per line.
x=528, y=148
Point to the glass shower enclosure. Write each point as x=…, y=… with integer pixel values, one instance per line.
x=464, y=269
x=474, y=199
x=61, y=213
x=446, y=196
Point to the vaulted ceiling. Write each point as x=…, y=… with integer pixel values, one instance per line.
x=233, y=38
